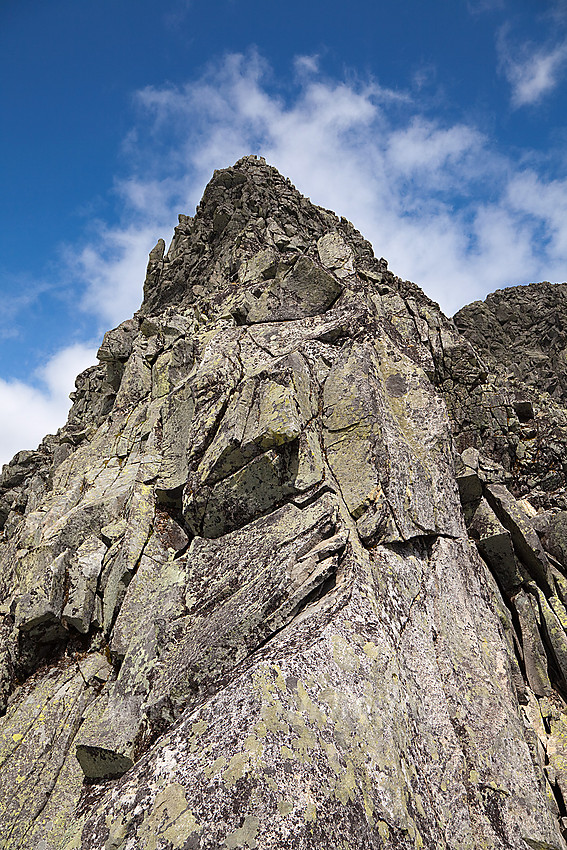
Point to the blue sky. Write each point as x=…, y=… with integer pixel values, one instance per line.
x=438, y=128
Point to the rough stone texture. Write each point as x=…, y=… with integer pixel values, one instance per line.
x=293, y=574
x=525, y=329
x=521, y=335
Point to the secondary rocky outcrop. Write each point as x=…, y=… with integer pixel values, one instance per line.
x=291, y=575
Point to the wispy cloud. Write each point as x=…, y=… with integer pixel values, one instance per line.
x=177, y=14
x=113, y=266
x=533, y=71
x=30, y=411
x=545, y=201
x=477, y=7
x=19, y=295
x=306, y=64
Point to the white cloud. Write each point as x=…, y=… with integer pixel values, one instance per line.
x=546, y=203
x=437, y=156
x=30, y=412
x=434, y=197
x=532, y=71
x=113, y=267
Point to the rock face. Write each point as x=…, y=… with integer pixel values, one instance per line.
x=521, y=334
x=293, y=575
x=523, y=328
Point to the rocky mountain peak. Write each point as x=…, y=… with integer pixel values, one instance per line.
x=294, y=572
x=250, y=223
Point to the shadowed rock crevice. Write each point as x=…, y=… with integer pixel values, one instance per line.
x=293, y=575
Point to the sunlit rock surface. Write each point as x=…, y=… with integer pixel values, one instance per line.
x=293, y=574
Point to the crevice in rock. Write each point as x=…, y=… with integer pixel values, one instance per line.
x=305, y=500
x=174, y=509
x=36, y=658
x=560, y=800
x=323, y=589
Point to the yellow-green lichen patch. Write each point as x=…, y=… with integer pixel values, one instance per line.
x=331, y=697
x=345, y=788
x=371, y=650
x=285, y=807
x=272, y=717
x=278, y=419
x=215, y=768
x=279, y=679
x=305, y=740
x=272, y=710
x=198, y=729
x=316, y=715
x=254, y=747
x=73, y=839
x=333, y=757
x=419, y=804
x=238, y=766
x=344, y=654
x=261, y=729
x=557, y=745
x=368, y=807
x=272, y=784
x=244, y=836
x=310, y=813
x=117, y=835
x=169, y=819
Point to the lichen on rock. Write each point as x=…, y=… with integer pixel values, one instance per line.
x=293, y=573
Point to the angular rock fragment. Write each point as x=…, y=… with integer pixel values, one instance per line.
x=526, y=541
x=40, y=780
x=83, y=578
x=556, y=748
x=304, y=289
x=382, y=446
x=336, y=254
x=495, y=545
x=176, y=417
x=99, y=763
x=555, y=537
x=554, y=619
x=535, y=658
x=467, y=476
x=38, y=611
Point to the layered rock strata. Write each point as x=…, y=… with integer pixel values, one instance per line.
x=285, y=579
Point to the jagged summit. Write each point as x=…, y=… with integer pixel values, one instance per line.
x=245, y=209
x=294, y=573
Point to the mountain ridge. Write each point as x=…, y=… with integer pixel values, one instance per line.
x=293, y=573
